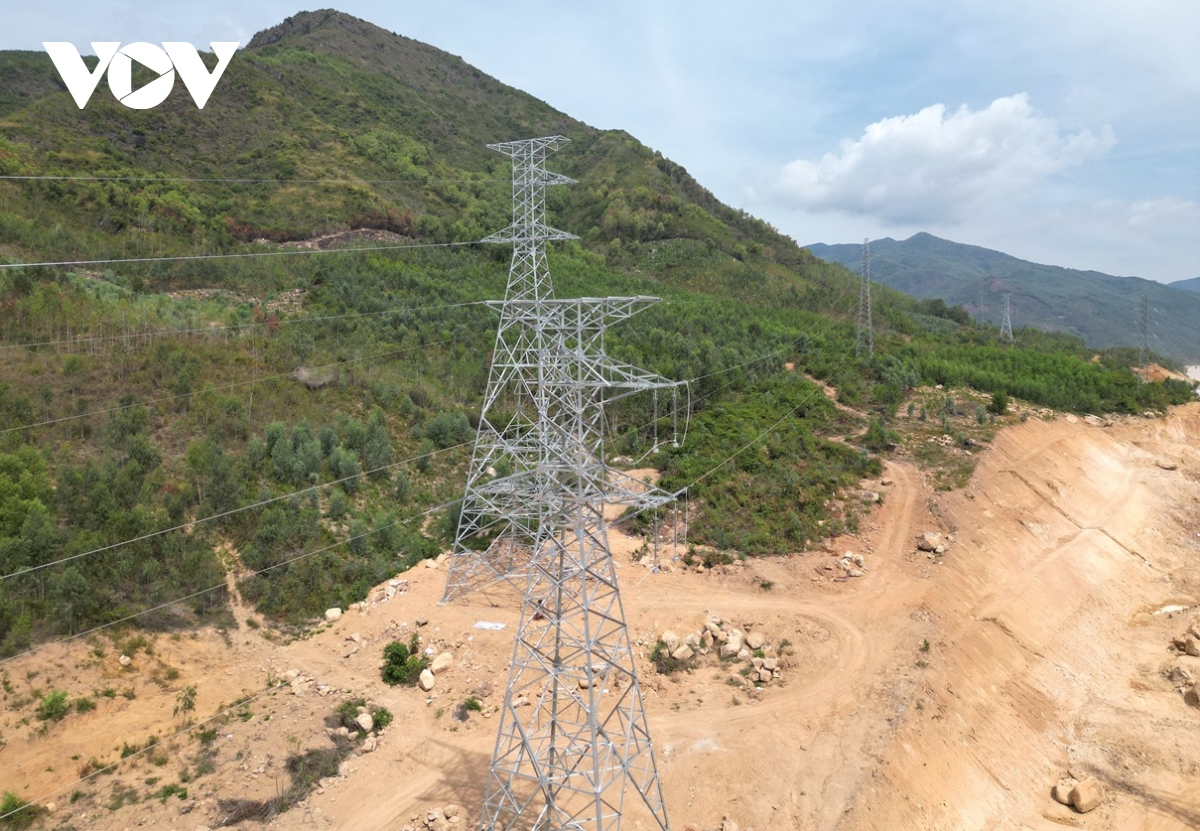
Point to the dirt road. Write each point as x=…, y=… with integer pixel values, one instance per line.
x=931, y=693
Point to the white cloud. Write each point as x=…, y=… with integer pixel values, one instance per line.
x=936, y=167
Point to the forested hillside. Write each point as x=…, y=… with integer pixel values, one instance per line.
x=292, y=417
x=1102, y=309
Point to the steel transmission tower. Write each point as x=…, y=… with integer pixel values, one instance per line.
x=866, y=333
x=1006, y=326
x=573, y=750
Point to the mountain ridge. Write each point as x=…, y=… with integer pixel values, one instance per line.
x=1101, y=308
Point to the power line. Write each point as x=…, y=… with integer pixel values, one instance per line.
x=294, y=253
x=249, y=382
x=168, y=179
x=223, y=514
x=200, y=330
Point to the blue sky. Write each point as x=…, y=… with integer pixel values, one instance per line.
x=1060, y=131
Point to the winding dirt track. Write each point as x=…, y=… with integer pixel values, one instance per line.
x=1043, y=654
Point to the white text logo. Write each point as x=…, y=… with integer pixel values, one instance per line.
x=119, y=60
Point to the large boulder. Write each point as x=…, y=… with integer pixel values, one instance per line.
x=683, y=653
x=671, y=640
x=425, y=681
x=755, y=640
x=1062, y=791
x=442, y=662
x=929, y=541
x=365, y=722
x=333, y=614
x=1087, y=795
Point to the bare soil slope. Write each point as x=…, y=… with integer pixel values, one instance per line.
x=1044, y=655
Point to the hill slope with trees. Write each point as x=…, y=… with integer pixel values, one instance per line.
x=296, y=425
x=1102, y=309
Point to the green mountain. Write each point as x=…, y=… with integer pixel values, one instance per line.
x=152, y=400
x=1102, y=309
x=1187, y=285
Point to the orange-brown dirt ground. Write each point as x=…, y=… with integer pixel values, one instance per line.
x=1048, y=651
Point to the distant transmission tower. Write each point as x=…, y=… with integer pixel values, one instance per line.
x=573, y=738
x=1006, y=326
x=866, y=334
x=1144, y=358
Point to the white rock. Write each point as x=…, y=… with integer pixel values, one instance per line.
x=124, y=660
x=425, y=682
x=442, y=662
x=333, y=614
x=755, y=640
x=365, y=721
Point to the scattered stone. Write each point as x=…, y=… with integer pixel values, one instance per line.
x=868, y=497
x=728, y=825
x=354, y=637
x=755, y=640
x=442, y=662
x=929, y=541
x=364, y=721
x=124, y=660
x=370, y=743
x=425, y=681
x=670, y=640
x=422, y=621
x=1087, y=795
x=1180, y=677
x=1192, y=696
x=683, y=653
x=1166, y=465
x=431, y=564
x=333, y=614
x=1062, y=791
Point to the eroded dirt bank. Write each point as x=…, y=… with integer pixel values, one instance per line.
x=1043, y=654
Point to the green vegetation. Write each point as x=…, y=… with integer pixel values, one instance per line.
x=403, y=663
x=53, y=706
x=335, y=392
x=16, y=813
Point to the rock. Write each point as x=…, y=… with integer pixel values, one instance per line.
x=333, y=614
x=1180, y=677
x=442, y=662
x=422, y=621
x=1087, y=795
x=728, y=825
x=868, y=497
x=736, y=679
x=670, y=639
x=1166, y=465
x=425, y=681
x=450, y=811
x=431, y=564
x=365, y=722
x=851, y=571
x=1192, y=696
x=1061, y=792
x=124, y=660
x=764, y=675
x=354, y=637
x=520, y=701
x=51, y=807
x=733, y=644
x=757, y=662
x=755, y=640
x=860, y=561
x=706, y=640
x=743, y=654
x=770, y=663
x=683, y=653
x=692, y=640
x=369, y=744
x=929, y=541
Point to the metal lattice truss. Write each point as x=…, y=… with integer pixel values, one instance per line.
x=572, y=736
x=866, y=332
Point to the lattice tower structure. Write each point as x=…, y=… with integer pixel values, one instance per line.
x=1006, y=325
x=866, y=332
x=573, y=750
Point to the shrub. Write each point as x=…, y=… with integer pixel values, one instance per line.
x=17, y=813
x=382, y=717
x=999, y=402
x=53, y=706
x=660, y=656
x=473, y=704
x=403, y=663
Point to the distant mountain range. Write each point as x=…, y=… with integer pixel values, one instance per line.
x=1102, y=309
